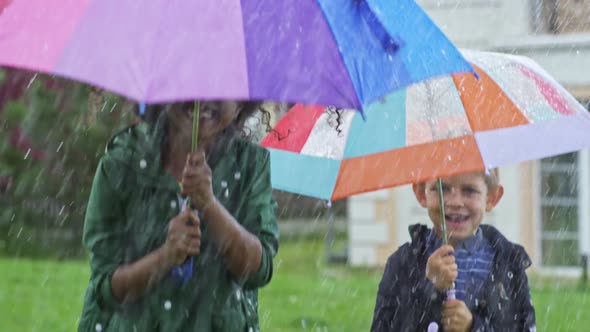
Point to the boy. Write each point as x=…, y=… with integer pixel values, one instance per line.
x=487, y=271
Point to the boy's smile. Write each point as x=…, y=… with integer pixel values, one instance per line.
x=466, y=200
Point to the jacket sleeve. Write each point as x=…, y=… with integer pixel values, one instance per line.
x=521, y=318
x=386, y=306
x=260, y=219
x=526, y=311
x=105, y=231
x=480, y=324
x=511, y=286
x=406, y=300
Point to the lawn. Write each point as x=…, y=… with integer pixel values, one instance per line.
x=305, y=295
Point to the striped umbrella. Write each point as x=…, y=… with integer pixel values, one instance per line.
x=440, y=127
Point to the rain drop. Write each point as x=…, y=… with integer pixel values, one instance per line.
x=31, y=81
x=167, y=305
x=304, y=323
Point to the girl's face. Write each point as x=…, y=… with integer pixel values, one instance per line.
x=214, y=117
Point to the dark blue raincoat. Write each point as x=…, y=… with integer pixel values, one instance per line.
x=407, y=301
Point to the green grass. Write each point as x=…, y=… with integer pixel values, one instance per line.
x=41, y=295
x=305, y=295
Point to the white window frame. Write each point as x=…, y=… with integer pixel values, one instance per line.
x=584, y=201
x=583, y=218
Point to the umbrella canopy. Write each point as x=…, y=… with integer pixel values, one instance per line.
x=449, y=125
x=332, y=52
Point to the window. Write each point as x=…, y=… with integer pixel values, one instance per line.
x=561, y=16
x=559, y=210
x=564, y=198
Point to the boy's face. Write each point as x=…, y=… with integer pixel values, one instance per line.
x=466, y=199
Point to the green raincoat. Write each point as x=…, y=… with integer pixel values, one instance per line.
x=131, y=203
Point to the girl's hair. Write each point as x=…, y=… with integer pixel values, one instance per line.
x=335, y=118
x=156, y=118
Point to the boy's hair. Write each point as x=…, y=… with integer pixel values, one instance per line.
x=491, y=178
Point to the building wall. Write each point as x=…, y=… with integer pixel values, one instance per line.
x=480, y=24
x=369, y=227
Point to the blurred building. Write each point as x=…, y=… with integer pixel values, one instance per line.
x=546, y=206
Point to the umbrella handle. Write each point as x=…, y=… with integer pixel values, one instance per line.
x=195, y=125
x=433, y=326
x=184, y=272
x=441, y=203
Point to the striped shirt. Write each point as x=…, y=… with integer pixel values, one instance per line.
x=474, y=258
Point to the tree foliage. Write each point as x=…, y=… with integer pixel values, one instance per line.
x=50, y=141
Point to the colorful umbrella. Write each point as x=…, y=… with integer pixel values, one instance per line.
x=325, y=51
x=437, y=128
x=333, y=52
